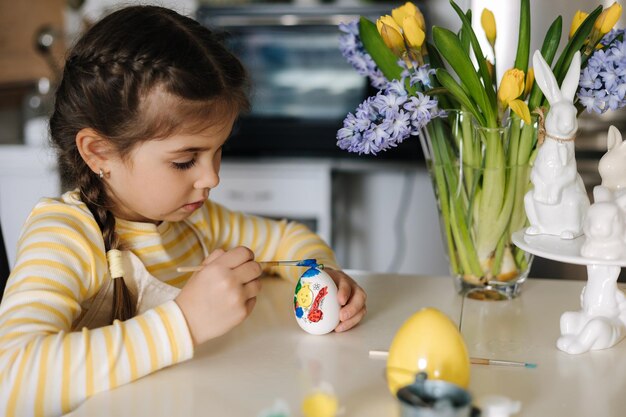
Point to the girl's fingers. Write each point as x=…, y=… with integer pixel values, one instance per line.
x=248, y=272
x=236, y=257
x=344, y=291
x=356, y=304
x=352, y=321
x=213, y=256
x=347, y=288
x=252, y=289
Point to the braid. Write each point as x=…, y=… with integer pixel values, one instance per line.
x=92, y=193
x=115, y=63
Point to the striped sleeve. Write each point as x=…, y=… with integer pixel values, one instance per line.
x=269, y=239
x=46, y=369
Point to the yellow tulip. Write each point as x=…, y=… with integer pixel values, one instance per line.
x=408, y=9
x=608, y=18
x=420, y=19
x=488, y=22
x=391, y=34
x=389, y=21
x=530, y=79
x=511, y=86
x=520, y=108
x=577, y=20
x=413, y=33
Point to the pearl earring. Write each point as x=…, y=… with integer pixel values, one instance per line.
x=101, y=174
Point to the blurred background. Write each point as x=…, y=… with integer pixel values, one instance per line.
x=377, y=212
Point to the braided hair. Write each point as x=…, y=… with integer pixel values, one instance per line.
x=107, y=83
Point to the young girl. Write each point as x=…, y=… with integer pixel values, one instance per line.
x=147, y=100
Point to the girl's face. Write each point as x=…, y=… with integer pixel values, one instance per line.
x=168, y=179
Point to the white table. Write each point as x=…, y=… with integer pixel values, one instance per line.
x=269, y=357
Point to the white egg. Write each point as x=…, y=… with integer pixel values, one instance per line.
x=315, y=302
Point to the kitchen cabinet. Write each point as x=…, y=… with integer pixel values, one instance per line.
x=385, y=219
x=293, y=189
x=20, y=64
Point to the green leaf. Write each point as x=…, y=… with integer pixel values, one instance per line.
x=381, y=54
x=480, y=57
x=457, y=91
x=552, y=40
x=435, y=62
x=464, y=35
x=450, y=48
x=548, y=50
x=575, y=44
x=523, y=41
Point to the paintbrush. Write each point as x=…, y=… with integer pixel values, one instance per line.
x=308, y=263
x=500, y=362
x=382, y=354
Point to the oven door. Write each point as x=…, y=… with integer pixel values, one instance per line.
x=302, y=87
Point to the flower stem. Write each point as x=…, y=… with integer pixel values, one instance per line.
x=455, y=200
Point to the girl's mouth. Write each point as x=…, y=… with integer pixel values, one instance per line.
x=193, y=206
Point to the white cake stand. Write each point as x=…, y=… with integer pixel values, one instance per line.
x=601, y=323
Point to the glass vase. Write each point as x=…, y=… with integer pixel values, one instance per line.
x=480, y=176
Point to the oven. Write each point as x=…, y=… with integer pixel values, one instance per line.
x=302, y=87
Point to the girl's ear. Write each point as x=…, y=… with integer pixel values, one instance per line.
x=545, y=79
x=95, y=150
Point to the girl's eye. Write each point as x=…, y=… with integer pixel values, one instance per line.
x=184, y=165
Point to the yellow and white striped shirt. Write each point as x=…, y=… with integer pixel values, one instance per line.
x=48, y=368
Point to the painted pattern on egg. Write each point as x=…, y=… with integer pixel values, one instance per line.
x=315, y=302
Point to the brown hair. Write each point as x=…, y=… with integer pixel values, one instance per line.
x=113, y=82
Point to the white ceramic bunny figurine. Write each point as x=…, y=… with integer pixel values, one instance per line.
x=605, y=223
x=604, y=232
x=602, y=321
x=558, y=202
x=612, y=165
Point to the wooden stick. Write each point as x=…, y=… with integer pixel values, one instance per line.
x=302, y=262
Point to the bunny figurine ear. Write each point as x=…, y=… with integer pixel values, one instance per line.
x=545, y=79
x=614, y=138
x=570, y=83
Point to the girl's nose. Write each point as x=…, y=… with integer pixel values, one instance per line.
x=209, y=178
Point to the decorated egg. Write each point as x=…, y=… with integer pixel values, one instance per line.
x=315, y=302
x=427, y=342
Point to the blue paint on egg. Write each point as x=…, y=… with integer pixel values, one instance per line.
x=299, y=312
x=308, y=262
x=311, y=272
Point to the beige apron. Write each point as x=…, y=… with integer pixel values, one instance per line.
x=149, y=291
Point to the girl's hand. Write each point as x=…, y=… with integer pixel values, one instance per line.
x=351, y=298
x=221, y=295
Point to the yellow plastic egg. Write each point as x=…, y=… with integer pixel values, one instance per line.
x=427, y=342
